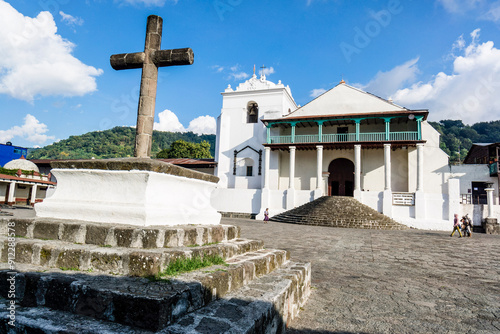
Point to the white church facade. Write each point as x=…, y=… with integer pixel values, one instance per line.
x=346, y=142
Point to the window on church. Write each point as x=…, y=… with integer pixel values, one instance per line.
x=252, y=112
x=245, y=167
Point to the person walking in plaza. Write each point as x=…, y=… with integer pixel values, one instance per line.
x=466, y=226
x=266, y=215
x=456, y=226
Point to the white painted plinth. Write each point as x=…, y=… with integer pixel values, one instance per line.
x=140, y=198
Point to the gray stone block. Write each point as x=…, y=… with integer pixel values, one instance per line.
x=46, y=231
x=96, y=234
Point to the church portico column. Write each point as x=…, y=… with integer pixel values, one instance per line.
x=266, y=192
x=290, y=195
x=387, y=202
x=10, y=198
x=419, y=194
x=420, y=167
x=267, y=163
x=357, y=172
x=318, y=192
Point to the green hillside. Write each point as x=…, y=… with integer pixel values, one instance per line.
x=457, y=138
x=117, y=142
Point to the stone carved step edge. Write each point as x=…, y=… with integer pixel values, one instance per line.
x=116, y=261
x=119, y=235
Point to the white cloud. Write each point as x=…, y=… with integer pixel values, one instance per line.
x=70, y=20
x=386, y=83
x=493, y=14
x=235, y=73
x=459, y=6
x=267, y=71
x=36, y=61
x=168, y=121
x=469, y=93
x=317, y=92
x=218, y=68
x=482, y=9
x=32, y=130
x=203, y=125
x=239, y=75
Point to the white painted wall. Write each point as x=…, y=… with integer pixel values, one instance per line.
x=236, y=200
x=234, y=133
x=473, y=173
x=129, y=197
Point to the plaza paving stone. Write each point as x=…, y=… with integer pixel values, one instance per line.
x=377, y=281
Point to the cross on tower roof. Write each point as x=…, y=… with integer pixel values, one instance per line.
x=262, y=75
x=149, y=60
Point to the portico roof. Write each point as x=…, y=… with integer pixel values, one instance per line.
x=344, y=101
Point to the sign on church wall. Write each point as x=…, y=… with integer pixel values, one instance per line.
x=407, y=199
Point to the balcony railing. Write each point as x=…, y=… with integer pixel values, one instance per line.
x=345, y=137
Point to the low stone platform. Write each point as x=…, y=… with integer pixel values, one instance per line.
x=67, y=270
x=130, y=191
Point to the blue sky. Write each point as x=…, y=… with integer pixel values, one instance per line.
x=56, y=81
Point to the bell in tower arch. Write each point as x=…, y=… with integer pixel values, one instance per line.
x=252, y=112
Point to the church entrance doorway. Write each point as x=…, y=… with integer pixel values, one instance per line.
x=341, y=179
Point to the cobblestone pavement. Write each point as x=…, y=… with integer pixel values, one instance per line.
x=373, y=281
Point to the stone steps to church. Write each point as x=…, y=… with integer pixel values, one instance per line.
x=43, y=320
x=338, y=212
x=116, y=260
x=275, y=299
x=119, y=235
x=155, y=304
x=265, y=305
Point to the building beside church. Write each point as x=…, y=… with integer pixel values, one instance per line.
x=10, y=152
x=271, y=153
x=26, y=186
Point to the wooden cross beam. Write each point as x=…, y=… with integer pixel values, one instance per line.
x=149, y=60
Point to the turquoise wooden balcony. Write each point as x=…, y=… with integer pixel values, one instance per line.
x=346, y=137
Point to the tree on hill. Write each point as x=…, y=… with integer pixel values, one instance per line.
x=184, y=149
x=457, y=138
x=117, y=142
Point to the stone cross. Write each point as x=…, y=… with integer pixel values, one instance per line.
x=149, y=60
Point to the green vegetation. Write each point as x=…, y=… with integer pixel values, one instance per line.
x=184, y=265
x=68, y=268
x=207, y=244
x=117, y=142
x=12, y=172
x=457, y=138
x=183, y=149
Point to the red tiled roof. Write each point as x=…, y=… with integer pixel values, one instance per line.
x=190, y=162
x=16, y=178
